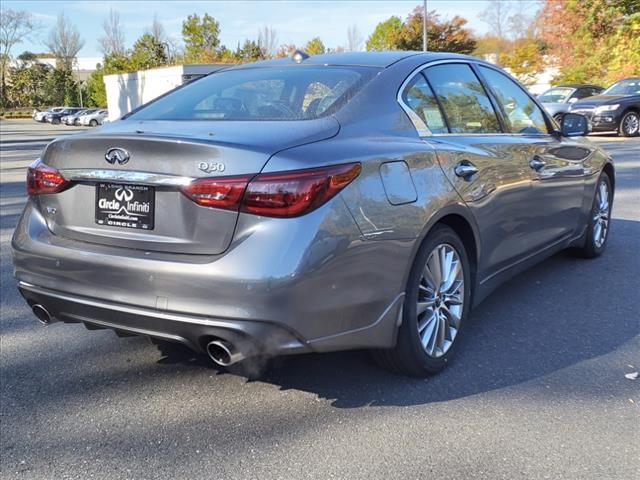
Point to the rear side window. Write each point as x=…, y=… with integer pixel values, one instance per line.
x=465, y=102
x=268, y=93
x=419, y=97
x=523, y=115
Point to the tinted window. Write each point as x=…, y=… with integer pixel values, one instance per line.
x=630, y=86
x=418, y=96
x=556, y=95
x=523, y=115
x=465, y=102
x=293, y=93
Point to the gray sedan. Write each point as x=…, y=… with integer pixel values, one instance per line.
x=558, y=100
x=313, y=204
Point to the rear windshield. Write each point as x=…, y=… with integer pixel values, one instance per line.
x=289, y=93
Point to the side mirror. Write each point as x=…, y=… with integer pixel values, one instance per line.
x=574, y=125
x=573, y=100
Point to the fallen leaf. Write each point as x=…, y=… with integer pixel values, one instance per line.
x=632, y=376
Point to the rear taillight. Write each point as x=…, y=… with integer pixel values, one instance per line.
x=44, y=179
x=290, y=194
x=281, y=194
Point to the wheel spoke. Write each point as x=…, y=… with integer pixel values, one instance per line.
x=454, y=319
x=425, y=322
x=424, y=306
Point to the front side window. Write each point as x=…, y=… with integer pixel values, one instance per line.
x=418, y=97
x=465, y=102
x=523, y=115
x=270, y=93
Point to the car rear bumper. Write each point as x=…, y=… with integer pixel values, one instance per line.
x=283, y=286
x=250, y=337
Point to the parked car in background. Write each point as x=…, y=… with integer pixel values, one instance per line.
x=40, y=116
x=356, y=200
x=615, y=109
x=56, y=117
x=75, y=118
x=558, y=99
x=93, y=119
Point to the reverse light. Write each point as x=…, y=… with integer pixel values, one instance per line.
x=280, y=194
x=224, y=192
x=42, y=179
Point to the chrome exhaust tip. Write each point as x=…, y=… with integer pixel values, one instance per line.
x=223, y=353
x=41, y=314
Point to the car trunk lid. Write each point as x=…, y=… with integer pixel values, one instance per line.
x=162, y=157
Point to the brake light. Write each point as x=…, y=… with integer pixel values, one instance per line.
x=43, y=179
x=281, y=194
x=291, y=194
x=225, y=192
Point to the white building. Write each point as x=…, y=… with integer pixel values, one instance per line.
x=126, y=91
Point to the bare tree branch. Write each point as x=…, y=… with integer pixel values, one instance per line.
x=267, y=40
x=354, y=39
x=496, y=15
x=64, y=42
x=15, y=26
x=112, y=41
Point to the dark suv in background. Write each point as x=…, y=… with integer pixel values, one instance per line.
x=615, y=109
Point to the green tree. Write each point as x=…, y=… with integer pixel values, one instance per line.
x=60, y=88
x=594, y=40
x=201, y=38
x=315, y=47
x=385, y=35
x=249, y=52
x=442, y=35
x=27, y=82
x=148, y=52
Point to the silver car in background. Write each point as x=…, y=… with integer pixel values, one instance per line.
x=558, y=100
x=314, y=204
x=74, y=120
x=94, y=119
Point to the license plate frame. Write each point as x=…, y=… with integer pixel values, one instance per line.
x=125, y=206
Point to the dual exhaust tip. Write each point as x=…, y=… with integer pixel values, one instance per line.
x=222, y=353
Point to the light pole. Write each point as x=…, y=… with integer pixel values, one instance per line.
x=424, y=27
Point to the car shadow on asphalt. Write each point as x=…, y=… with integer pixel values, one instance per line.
x=552, y=317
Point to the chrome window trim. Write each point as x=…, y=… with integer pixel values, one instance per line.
x=118, y=176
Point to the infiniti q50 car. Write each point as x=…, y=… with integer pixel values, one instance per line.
x=362, y=200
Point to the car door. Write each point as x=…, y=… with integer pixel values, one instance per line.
x=484, y=165
x=555, y=163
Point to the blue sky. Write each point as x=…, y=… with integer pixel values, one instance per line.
x=294, y=21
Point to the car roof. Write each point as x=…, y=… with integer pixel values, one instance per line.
x=359, y=59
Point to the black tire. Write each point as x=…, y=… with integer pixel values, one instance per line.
x=408, y=356
x=630, y=124
x=591, y=249
x=56, y=121
x=93, y=123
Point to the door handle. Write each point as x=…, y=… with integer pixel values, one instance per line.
x=537, y=163
x=465, y=170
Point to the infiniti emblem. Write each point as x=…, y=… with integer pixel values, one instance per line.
x=117, y=155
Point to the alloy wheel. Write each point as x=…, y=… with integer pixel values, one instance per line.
x=601, y=215
x=631, y=124
x=440, y=300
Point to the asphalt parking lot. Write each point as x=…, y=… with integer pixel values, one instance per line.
x=537, y=391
